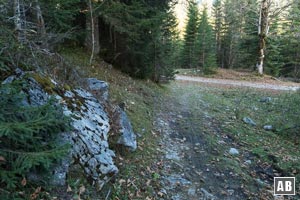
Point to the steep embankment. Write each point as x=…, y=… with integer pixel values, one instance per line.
x=92, y=118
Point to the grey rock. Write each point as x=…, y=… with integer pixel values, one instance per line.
x=127, y=137
x=192, y=191
x=268, y=127
x=90, y=145
x=230, y=192
x=249, y=121
x=177, y=180
x=37, y=96
x=260, y=182
x=233, y=151
x=59, y=173
x=248, y=162
x=207, y=195
x=255, y=108
x=9, y=80
x=98, y=88
x=265, y=99
x=88, y=138
x=177, y=197
x=163, y=191
x=19, y=72
x=172, y=155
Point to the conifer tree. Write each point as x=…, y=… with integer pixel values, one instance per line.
x=274, y=58
x=232, y=32
x=166, y=46
x=189, y=52
x=218, y=26
x=206, y=44
x=28, y=136
x=291, y=44
x=248, y=46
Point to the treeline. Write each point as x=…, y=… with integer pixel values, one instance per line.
x=262, y=35
x=136, y=36
x=141, y=37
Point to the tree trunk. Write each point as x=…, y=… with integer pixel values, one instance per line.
x=19, y=21
x=41, y=29
x=92, y=41
x=263, y=28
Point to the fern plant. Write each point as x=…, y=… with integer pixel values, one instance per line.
x=28, y=136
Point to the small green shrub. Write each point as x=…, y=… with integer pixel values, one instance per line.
x=28, y=137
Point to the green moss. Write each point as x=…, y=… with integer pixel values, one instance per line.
x=66, y=87
x=45, y=82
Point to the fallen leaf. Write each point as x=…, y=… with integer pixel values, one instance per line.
x=2, y=159
x=81, y=190
x=223, y=192
x=23, y=182
x=36, y=193
x=69, y=189
x=153, y=133
x=149, y=170
x=121, y=181
x=160, y=194
x=148, y=182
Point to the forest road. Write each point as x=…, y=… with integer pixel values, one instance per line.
x=283, y=86
x=197, y=163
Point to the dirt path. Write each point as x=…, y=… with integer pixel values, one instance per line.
x=260, y=85
x=193, y=166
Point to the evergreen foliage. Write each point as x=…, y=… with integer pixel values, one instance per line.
x=165, y=46
x=28, y=136
x=274, y=57
x=60, y=14
x=189, y=53
x=218, y=27
x=136, y=30
x=291, y=45
x=248, y=46
x=231, y=33
x=206, y=44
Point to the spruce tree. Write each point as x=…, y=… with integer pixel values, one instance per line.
x=133, y=32
x=166, y=47
x=218, y=26
x=60, y=14
x=206, y=44
x=189, y=53
x=232, y=32
x=291, y=45
x=274, y=58
x=28, y=136
x=248, y=46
